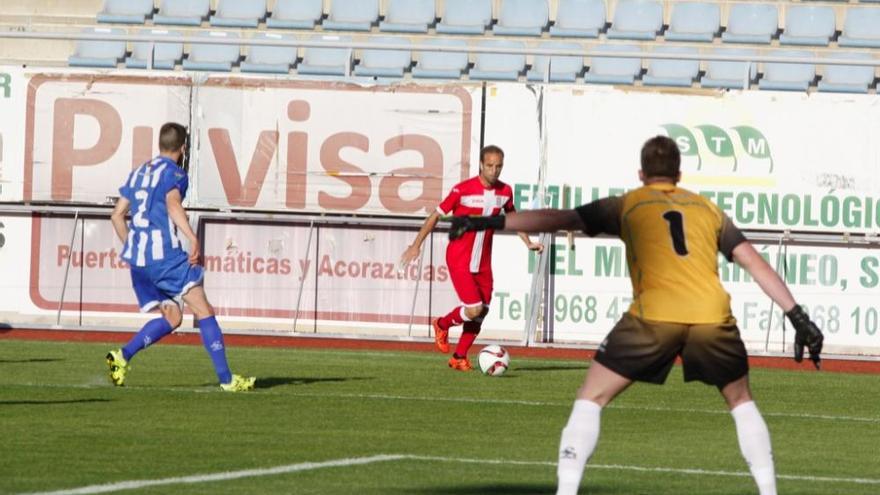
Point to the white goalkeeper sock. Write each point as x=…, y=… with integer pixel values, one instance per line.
x=754, y=443
x=578, y=441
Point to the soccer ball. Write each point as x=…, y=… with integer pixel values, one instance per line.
x=494, y=360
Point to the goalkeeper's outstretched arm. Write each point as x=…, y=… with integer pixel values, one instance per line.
x=747, y=257
x=544, y=220
x=807, y=334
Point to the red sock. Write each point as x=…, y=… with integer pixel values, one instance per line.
x=452, y=319
x=468, y=336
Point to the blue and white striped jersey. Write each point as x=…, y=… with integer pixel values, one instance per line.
x=152, y=236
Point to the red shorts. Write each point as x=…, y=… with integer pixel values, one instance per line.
x=473, y=289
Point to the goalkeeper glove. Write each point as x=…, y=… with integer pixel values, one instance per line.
x=460, y=225
x=806, y=334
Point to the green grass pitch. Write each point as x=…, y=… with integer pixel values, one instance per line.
x=367, y=422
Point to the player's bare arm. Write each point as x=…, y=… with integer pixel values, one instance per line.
x=178, y=216
x=807, y=334
x=532, y=246
x=412, y=252
x=117, y=218
x=747, y=257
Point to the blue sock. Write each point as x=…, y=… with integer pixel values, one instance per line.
x=212, y=338
x=151, y=333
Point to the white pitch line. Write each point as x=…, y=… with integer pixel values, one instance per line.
x=223, y=476
x=623, y=467
x=858, y=419
x=309, y=466
x=568, y=404
x=467, y=400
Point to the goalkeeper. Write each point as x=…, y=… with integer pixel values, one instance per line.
x=679, y=306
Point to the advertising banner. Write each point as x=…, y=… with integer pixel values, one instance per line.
x=340, y=276
x=772, y=161
x=769, y=160
x=13, y=88
x=331, y=147
x=257, y=143
x=85, y=132
x=271, y=270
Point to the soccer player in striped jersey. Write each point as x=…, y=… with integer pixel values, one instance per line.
x=163, y=274
x=679, y=308
x=469, y=258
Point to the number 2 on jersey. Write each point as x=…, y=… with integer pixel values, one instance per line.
x=138, y=218
x=676, y=230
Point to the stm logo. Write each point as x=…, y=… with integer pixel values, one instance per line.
x=751, y=151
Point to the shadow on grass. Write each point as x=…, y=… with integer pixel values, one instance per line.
x=504, y=489
x=277, y=381
x=49, y=402
x=32, y=360
x=494, y=489
x=550, y=368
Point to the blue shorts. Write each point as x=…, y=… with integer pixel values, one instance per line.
x=165, y=282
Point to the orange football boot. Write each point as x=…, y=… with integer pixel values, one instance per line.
x=460, y=364
x=441, y=337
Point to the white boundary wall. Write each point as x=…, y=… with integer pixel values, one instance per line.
x=773, y=161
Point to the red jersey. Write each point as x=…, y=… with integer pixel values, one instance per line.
x=473, y=250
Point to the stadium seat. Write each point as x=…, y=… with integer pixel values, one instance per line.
x=94, y=53
x=808, y=25
x=669, y=72
x=326, y=61
x=786, y=76
x=728, y=74
x=269, y=59
x=296, y=14
x=126, y=11
x=384, y=63
x=352, y=15
x=861, y=28
x=846, y=78
x=498, y=66
x=614, y=70
x=694, y=21
x=465, y=17
x=441, y=65
x=182, y=12
x=522, y=18
x=213, y=57
x=579, y=19
x=239, y=13
x=636, y=20
x=408, y=16
x=751, y=23
x=562, y=68
x=165, y=55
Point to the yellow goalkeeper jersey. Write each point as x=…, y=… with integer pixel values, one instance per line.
x=672, y=238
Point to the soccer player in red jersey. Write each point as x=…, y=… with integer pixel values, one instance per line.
x=469, y=258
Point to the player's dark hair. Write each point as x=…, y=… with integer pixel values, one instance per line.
x=660, y=157
x=490, y=149
x=172, y=136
